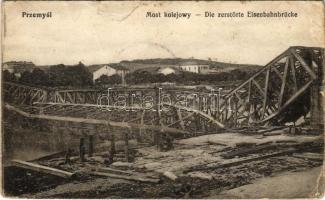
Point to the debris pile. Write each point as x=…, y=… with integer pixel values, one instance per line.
x=194, y=166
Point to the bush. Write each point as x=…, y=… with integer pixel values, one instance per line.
x=7, y=76
x=108, y=80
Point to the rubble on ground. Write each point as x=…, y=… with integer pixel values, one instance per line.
x=215, y=162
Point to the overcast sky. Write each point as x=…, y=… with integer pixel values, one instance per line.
x=105, y=32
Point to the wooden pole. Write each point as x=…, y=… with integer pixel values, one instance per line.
x=41, y=168
x=82, y=149
x=91, y=145
x=126, y=147
x=112, y=150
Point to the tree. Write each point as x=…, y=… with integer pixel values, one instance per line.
x=108, y=80
x=7, y=76
x=171, y=77
x=76, y=75
x=36, y=77
x=138, y=77
x=57, y=75
x=25, y=77
x=39, y=77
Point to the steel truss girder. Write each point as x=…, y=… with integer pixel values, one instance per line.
x=261, y=99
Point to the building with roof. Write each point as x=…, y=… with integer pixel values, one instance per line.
x=165, y=70
x=194, y=67
x=18, y=67
x=108, y=70
x=168, y=70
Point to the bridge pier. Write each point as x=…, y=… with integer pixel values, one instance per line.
x=112, y=138
x=126, y=145
x=317, y=92
x=316, y=107
x=90, y=145
x=82, y=149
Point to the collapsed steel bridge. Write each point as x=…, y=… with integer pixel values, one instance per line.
x=265, y=97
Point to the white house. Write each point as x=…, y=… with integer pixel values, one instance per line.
x=194, y=67
x=166, y=70
x=18, y=67
x=108, y=70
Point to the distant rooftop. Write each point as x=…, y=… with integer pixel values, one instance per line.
x=93, y=68
x=156, y=69
x=190, y=63
x=18, y=66
x=18, y=63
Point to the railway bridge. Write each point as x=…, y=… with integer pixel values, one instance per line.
x=292, y=80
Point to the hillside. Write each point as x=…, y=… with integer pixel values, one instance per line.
x=142, y=72
x=134, y=65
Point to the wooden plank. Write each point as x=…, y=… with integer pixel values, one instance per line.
x=271, y=129
x=170, y=175
x=41, y=168
x=310, y=156
x=112, y=170
x=131, y=178
x=49, y=156
x=246, y=151
x=241, y=161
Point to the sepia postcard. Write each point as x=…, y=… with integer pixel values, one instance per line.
x=162, y=99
